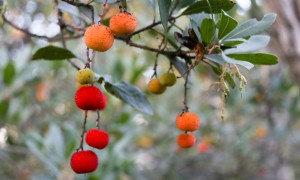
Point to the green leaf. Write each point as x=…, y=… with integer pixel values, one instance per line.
x=86, y=11
x=259, y=58
x=226, y=25
x=4, y=105
x=207, y=30
x=178, y=64
x=230, y=60
x=9, y=73
x=209, y=6
x=254, y=43
x=216, y=58
x=251, y=27
x=164, y=7
x=233, y=43
x=52, y=53
x=131, y=95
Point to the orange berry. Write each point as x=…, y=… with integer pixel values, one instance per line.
x=203, y=146
x=188, y=121
x=155, y=87
x=186, y=140
x=123, y=24
x=98, y=37
x=260, y=132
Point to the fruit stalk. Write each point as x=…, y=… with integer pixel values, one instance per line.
x=98, y=119
x=185, y=103
x=83, y=132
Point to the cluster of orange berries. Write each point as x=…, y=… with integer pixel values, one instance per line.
x=187, y=122
x=101, y=38
x=160, y=84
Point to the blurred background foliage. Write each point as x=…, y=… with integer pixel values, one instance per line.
x=40, y=125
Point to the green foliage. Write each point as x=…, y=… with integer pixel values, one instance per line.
x=164, y=7
x=131, y=95
x=258, y=58
x=226, y=25
x=9, y=73
x=42, y=135
x=251, y=27
x=207, y=30
x=52, y=53
x=209, y=6
x=4, y=105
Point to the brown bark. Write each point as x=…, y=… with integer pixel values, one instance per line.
x=286, y=33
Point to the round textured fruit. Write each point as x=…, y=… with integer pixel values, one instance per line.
x=97, y=138
x=98, y=37
x=89, y=98
x=167, y=79
x=187, y=121
x=186, y=140
x=104, y=102
x=155, y=87
x=123, y=24
x=84, y=162
x=85, y=76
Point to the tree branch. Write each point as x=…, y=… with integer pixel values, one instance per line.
x=62, y=26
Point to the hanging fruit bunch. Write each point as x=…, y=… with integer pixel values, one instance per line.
x=212, y=38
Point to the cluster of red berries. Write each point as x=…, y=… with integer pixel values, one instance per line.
x=89, y=98
x=187, y=122
x=86, y=161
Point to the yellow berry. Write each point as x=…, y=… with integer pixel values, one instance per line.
x=98, y=37
x=123, y=24
x=167, y=79
x=85, y=76
x=155, y=87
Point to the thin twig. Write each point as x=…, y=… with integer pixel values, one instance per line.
x=23, y=30
x=98, y=119
x=185, y=103
x=83, y=132
x=62, y=27
x=79, y=4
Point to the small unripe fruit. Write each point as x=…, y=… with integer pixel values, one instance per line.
x=85, y=76
x=89, y=98
x=167, y=79
x=186, y=140
x=98, y=37
x=187, y=121
x=97, y=138
x=155, y=87
x=123, y=24
x=84, y=162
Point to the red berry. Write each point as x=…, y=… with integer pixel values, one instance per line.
x=89, y=98
x=104, y=102
x=97, y=138
x=84, y=162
